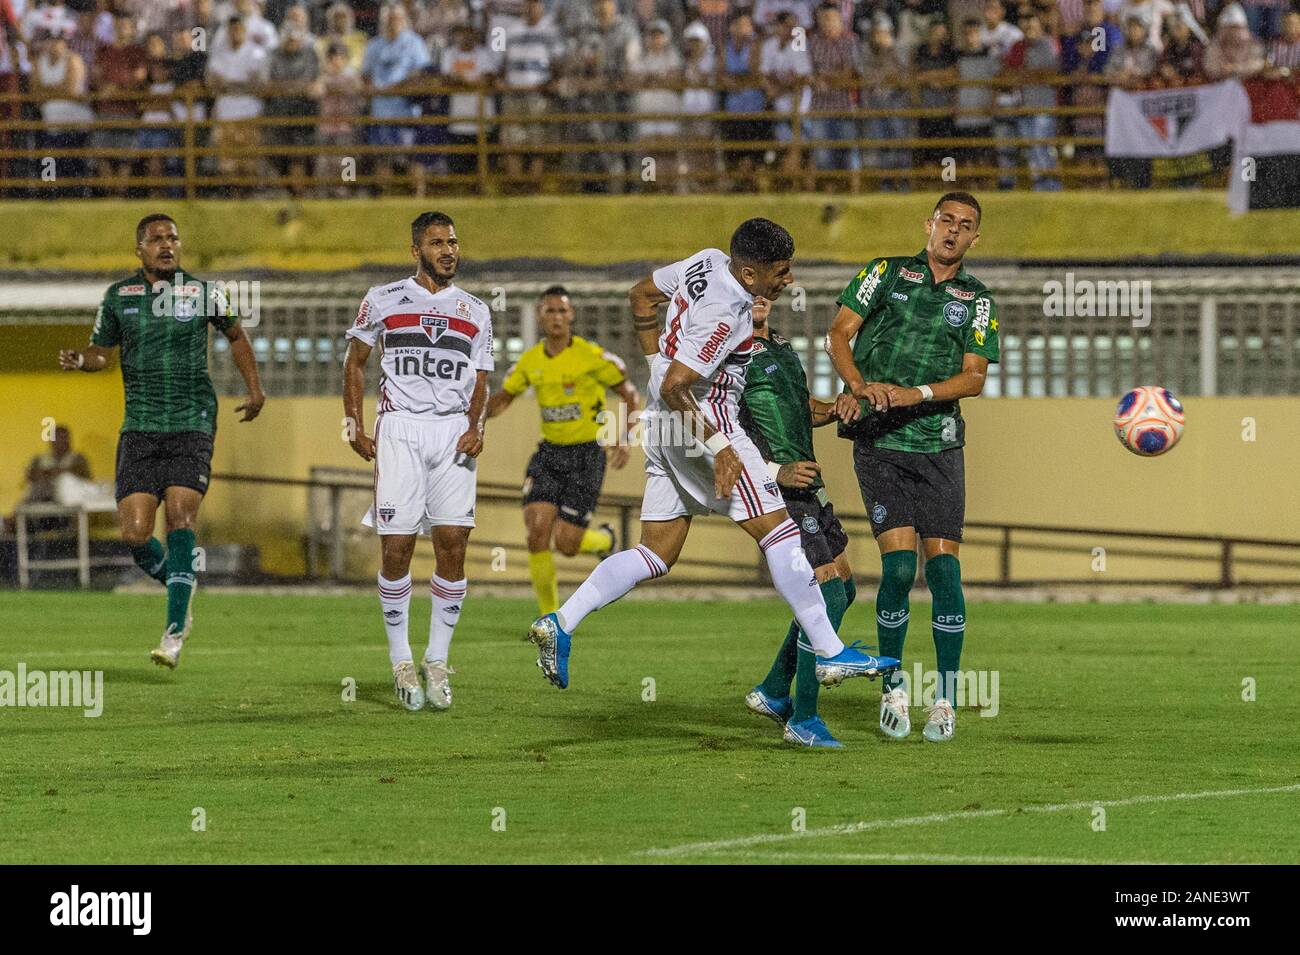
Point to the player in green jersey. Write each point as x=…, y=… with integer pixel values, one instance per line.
x=913, y=335
x=779, y=414
x=159, y=320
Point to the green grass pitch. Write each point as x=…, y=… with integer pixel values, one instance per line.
x=1136, y=706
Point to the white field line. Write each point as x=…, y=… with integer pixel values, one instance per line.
x=921, y=857
x=848, y=829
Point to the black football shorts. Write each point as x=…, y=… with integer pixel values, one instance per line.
x=149, y=462
x=912, y=489
x=566, y=475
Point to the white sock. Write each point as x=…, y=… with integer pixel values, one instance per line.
x=395, y=601
x=613, y=577
x=794, y=580
x=448, y=596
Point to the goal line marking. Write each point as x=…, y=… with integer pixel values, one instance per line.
x=848, y=829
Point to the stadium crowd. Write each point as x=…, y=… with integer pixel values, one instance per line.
x=143, y=63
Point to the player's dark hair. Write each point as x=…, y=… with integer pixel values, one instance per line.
x=426, y=219
x=143, y=225
x=556, y=290
x=965, y=198
x=761, y=241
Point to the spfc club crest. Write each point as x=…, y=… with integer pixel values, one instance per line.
x=386, y=514
x=433, y=325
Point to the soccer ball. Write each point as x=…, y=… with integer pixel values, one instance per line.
x=1149, y=420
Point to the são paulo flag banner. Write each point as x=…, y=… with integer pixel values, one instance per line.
x=1158, y=124
x=1266, y=161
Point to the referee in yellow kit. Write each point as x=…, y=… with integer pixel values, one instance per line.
x=566, y=472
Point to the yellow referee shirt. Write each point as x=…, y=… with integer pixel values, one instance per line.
x=570, y=387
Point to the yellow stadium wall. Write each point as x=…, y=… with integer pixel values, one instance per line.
x=1044, y=461
x=598, y=230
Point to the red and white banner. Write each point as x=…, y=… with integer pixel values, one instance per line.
x=1266, y=161
x=1158, y=124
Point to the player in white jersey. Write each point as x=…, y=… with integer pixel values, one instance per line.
x=437, y=352
x=698, y=460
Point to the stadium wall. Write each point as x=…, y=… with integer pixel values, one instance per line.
x=1029, y=460
x=320, y=235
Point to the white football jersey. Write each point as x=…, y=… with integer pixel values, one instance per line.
x=434, y=344
x=710, y=329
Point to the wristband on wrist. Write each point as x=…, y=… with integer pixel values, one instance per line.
x=717, y=442
x=81, y=360
x=773, y=469
x=927, y=393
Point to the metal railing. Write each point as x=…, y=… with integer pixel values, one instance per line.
x=328, y=539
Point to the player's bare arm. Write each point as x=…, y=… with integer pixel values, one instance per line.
x=498, y=403
x=676, y=394
x=241, y=352
x=967, y=383
x=617, y=455
x=839, y=343
x=646, y=298
x=471, y=442
x=354, y=387
x=798, y=474
x=93, y=358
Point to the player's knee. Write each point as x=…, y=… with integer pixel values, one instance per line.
x=137, y=533
x=569, y=548
x=943, y=576
x=898, y=570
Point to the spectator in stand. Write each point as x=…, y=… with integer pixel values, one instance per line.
x=716, y=16
x=437, y=23
x=83, y=40
x=236, y=74
x=49, y=17
x=1153, y=14
x=298, y=18
x=1182, y=60
x=660, y=62
x=699, y=72
x=338, y=90
x=533, y=57
x=396, y=57
x=58, y=73
x=467, y=62
x=45, y=469
x=998, y=36
x=14, y=70
x=935, y=65
x=292, y=68
x=883, y=70
x=768, y=12
x=1135, y=63
x=1264, y=17
x=1233, y=51
x=121, y=73
x=976, y=65
x=608, y=44
x=1284, y=51
x=1084, y=56
x=914, y=19
x=1069, y=17
x=258, y=30
x=786, y=69
x=340, y=27
x=646, y=12
x=161, y=108
x=833, y=51
x=740, y=65
x=1036, y=57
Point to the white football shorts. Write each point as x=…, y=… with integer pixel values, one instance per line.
x=421, y=480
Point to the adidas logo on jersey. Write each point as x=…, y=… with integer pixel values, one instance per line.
x=405, y=301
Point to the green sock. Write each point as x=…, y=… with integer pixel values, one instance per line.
x=805, y=687
x=948, y=619
x=850, y=593
x=151, y=559
x=180, y=576
x=897, y=574
x=777, y=682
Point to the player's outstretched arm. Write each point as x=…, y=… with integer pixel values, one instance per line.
x=839, y=342
x=94, y=358
x=646, y=299
x=967, y=383
x=354, y=386
x=676, y=394
x=241, y=351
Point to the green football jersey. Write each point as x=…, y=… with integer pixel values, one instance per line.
x=774, y=406
x=915, y=332
x=163, y=337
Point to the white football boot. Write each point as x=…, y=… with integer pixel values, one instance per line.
x=437, y=686
x=894, y=721
x=940, y=722
x=168, y=652
x=407, y=686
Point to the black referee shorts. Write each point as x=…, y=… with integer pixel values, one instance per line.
x=566, y=475
x=149, y=462
x=912, y=489
x=820, y=531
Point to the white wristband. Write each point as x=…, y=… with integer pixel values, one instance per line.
x=927, y=393
x=773, y=469
x=81, y=359
x=717, y=442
